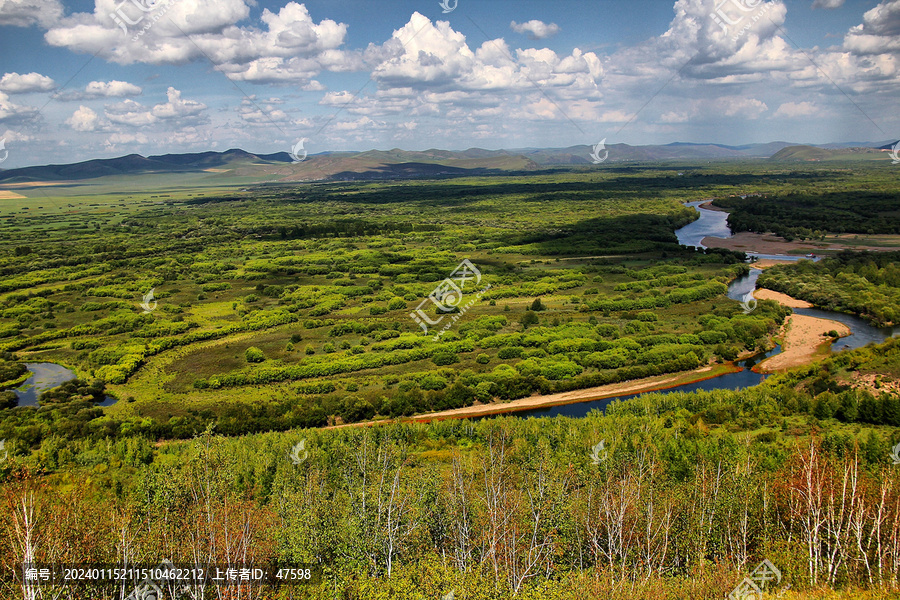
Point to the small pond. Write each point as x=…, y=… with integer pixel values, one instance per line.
x=46, y=376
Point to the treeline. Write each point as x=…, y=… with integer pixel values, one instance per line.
x=804, y=215
x=861, y=283
x=535, y=360
x=630, y=234
x=493, y=509
x=677, y=296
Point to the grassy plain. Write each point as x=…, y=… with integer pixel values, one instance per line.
x=321, y=279
x=286, y=307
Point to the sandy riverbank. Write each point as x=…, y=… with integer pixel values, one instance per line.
x=765, y=263
x=782, y=299
x=636, y=386
x=804, y=341
x=769, y=243
x=805, y=337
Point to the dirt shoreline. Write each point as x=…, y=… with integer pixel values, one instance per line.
x=804, y=341
x=805, y=337
x=634, y=386
x=769, y=243
x=782, y=299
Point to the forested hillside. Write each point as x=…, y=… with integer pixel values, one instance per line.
x=861, y=283
x=687, y=493
x=810, y=213
x=209, y=419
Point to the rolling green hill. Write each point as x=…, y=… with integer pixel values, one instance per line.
x=815, y=153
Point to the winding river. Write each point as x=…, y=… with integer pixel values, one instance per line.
x=45, y=376
x=713, y=223
x=862, y=333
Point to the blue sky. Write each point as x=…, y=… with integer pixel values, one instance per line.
x=195, y=75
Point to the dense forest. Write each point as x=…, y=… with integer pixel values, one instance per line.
x=213, y=420
x=690, y=492
x=811, y=214
x=860, y=283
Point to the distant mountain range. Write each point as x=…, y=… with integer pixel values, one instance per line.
x=403, y=164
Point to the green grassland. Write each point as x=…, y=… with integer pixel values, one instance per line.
x=321, y=280
x=314, y=284
x=692, y=492
x=286, y=307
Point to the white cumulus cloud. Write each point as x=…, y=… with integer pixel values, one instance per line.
x=102, y=89
x=111, y=89
x=176, y=110
x=537, y=30
x=15, y=113
x=828, y=4
x=879, y=32
x=291, y=48
x=23, y=13
x=84, y=119
x=13, y=83
x=796, y=109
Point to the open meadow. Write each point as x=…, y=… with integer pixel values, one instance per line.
x=279, y=310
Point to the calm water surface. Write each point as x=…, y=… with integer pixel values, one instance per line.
x=715, y=224
x=712, y=223
x=730, y=381
x=46, y=376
